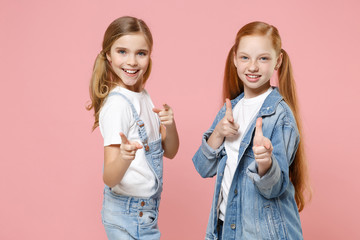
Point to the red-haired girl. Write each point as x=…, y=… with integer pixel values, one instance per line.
x=254, y=146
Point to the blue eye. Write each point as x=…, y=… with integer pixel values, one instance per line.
x=244, y=58
x=141, y=53
x=122, y=51
x=264, y=58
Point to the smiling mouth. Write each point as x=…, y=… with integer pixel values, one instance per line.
x=253, y=76
x=130, y=71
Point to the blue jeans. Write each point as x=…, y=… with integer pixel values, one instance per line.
x=126, y=218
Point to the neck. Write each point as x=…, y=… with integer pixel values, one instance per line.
x=251, y=93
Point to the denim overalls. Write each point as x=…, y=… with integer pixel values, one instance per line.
x=126, y=217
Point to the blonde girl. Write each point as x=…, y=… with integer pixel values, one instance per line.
x=136, y=135
x=254, y=145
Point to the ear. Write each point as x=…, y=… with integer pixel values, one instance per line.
x=234, y=59
x=279, y=61
x=108, y=57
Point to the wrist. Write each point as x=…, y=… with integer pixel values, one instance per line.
x=215, y=140
x=217, y=135
x=264, y=167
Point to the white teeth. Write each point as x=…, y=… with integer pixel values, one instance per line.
x=130, y=71
x=253, y=76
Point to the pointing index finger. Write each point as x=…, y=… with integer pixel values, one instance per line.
x=258, y=131
x=124, y=138
x=258, y=137
x=166, y=107
x=229, y=112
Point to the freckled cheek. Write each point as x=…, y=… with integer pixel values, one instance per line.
x=266, y=68
x=241, y=69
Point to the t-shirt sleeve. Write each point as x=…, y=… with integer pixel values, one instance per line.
x=116, y=118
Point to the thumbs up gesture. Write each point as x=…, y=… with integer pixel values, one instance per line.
x=262, y=149
x=128, y=148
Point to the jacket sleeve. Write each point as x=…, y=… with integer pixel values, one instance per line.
x=285, y=140
x=206, y=158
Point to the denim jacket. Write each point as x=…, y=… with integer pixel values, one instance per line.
x=258, y=207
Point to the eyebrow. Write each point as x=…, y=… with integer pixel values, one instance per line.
x=138, y=50
x=265, y=53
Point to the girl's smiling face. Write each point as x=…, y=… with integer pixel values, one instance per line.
x=129, y=57
x=256, y=60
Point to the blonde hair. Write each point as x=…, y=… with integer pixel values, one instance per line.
x=103, y=78
x=233, y=86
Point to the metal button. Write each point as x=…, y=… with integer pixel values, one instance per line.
x=147, y=148
x=235, y=191
x=233, y=226
x=141, y=214
x=142, y=203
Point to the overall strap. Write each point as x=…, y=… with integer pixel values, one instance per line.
x=141, y=130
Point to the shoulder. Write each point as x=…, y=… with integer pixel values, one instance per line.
x=285, y=112
x=277, y=109
x=145, y=96
x=115, y=105
x=283, y=121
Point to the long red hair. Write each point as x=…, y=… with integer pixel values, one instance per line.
x=233, y=86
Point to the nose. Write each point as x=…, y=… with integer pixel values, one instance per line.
x=131, y=60
x=253, y=67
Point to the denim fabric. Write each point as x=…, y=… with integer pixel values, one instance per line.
x=130, y=217
x=258, y=207
x=127, y=217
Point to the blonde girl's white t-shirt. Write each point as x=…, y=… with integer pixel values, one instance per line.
x=116, y=116
x=244, y=112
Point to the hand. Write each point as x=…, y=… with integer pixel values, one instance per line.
x=227, y=127
x=128, y=148
x=262, y=149
x=166, y=115
x=169, y=134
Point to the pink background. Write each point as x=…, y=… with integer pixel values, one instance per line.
x=51, y=164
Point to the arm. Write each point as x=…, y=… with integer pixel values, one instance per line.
x=117, y=159
x=211, y=150
x=170, y=137
x=206, y=158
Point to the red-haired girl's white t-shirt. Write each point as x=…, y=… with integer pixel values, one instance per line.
x=116, y=116
x=244, y=113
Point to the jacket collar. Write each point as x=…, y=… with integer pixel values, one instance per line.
x=270, y=104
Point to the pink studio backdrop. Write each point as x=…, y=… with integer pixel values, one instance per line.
x=51, y=163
